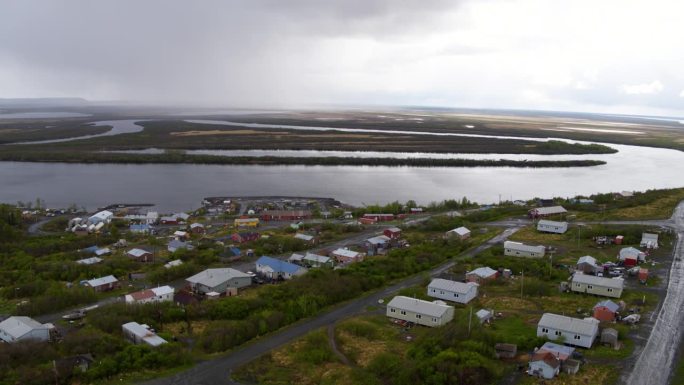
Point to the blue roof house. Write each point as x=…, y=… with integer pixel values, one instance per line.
x=278, y=269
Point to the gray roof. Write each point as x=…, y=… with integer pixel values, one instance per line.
x=215, y=277
x=419, y=306
x=551, y=210
x=460, y=231
x=89, y=261
x=142, y=332
x=610, y=305
x=569, y=324
x=451, y=286
x=19, y=326
x=137, y=252
x=587, y=259
x=483, y=272
x=523, y=247
x=556, y=348
x=316, y=258
x=102, y=281
x=630, y=252
x=615, y=283
x=379, y=240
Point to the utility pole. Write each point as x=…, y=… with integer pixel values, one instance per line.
x=470, y=320
x=522, y=283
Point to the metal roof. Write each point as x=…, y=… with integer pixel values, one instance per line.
x=19, y=326
x=89, y=261
x=610, y=305
x=587, y=259
x=278, y=265
x=137, y=252
x=460, y=230
x=483, y=272
x=569, y=324
x=102, y=281
x=379, y=240
x=557, y=349
x=215, y=277
x=419, y=306
x=615, y=283
x=452, y=286
x=304, y=237
x=523, y=247
x=550, y=210
x=316, y=258
x=142, y=332
x=630, y=252
x=545, y=222
x=346, y=253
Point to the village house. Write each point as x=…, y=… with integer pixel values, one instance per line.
x=181, y=217
x=606, y=310
x=141, y=334
x=630, y=256
x=285, y=215
x=481, y=275
x=547, y=226
x=461, y=233
x=89, y=261
x=101, y=217
x=245, y=237
x=246, y=222
x=167, y=220
x=142, y=228
x=175, y=245
x=484, y=315
x=140, y=255
x=197, y=228
x=649, y=241
x=222, y=281
x=452, y=291
x=379, y=217
x=274, y=268
x=575, y=331
x=517, y=249
x=344, y=256
x=591, y=284
x=104, y=283
x=419, y=311
x=155, y=294
x=561, y=352
x=181, y=235
x=544, y=365
x=392, y=233
x=15, y=329
x=309, y=239
x=588, y=265
x=377, y=245
x=315, y=260
x=543, y=212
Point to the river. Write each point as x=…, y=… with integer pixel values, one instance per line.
x=181, y=187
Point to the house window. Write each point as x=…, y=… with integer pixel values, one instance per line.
x=577, y=337
x=441, y=292
x=545, y=330
x=434, y=320
x=434, y=291
x=392, y=310
x=456, y=295
x=419, y=316
x=578, y=285
x=558, y=333
x=403, y=312
x=610, y=290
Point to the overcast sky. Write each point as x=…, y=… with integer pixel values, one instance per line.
x=583, y=55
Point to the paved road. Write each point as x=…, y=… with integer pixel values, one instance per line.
x=656, y=361
x=218, y=371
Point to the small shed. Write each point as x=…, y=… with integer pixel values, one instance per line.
x=643, y=275
x=392, y=233
x=484, y=315
x=505, y=350
x=606, y=310
x=609, y=336
x=571, y=366
x=544, y=365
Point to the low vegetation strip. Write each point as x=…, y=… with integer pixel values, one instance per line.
x=179, y=157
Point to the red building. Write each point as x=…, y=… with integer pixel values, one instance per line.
x=606, y=310
x=285, y=215
x=380, y=217
x=367, y=221
x=392, y=233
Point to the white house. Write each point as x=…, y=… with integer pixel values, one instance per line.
x=420, y=312
x=591, y=284
x=103, y=216
x=517, y=249
x=174, y=263
x=346, y=256
x=577, y=332
x=649, y=240
x=452, y=291
x=156, y=294
x=138, y=334
x=89, y=261
x=15, y=329
x=544, y=365
x=552, y=226
x=632, y=253
x=459, y=232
